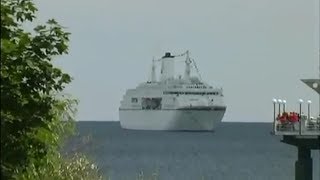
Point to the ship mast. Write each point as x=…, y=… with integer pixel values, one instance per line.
x=187, y=69
x=153, y=71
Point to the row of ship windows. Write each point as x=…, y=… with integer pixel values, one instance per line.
x=196, y=87
x=148, y=100
x=194, y=93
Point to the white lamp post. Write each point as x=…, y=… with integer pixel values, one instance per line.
x=309, y=104
x=280, y=102
x=274, y=108
x=300, y=104
x=284, y=102
x=274, y=113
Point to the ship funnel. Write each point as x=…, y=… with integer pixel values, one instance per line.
x=168, y=55
x=167, y=67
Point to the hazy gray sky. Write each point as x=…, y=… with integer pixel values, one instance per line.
x=254, y=49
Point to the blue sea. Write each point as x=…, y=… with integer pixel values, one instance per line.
x=234, y=151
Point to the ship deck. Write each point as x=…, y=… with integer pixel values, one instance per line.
x=301, y=128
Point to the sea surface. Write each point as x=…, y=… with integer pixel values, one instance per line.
x=234, y=151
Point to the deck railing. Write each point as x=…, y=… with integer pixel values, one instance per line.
x=306, y=125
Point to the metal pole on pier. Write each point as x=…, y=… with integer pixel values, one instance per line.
x=274, y=115
x=309, y=103
x=284, y=105
x=319, y=50
x=300, y=117
x=279, y=101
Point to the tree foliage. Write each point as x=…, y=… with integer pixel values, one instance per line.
x=35, y=115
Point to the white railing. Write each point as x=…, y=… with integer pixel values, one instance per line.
x=306, y=127
x=312, y=125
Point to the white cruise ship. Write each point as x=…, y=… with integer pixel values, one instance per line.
x=172, y=103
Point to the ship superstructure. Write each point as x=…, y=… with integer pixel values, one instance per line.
x=172, y=103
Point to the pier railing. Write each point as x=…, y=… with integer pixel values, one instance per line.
x=303, y=125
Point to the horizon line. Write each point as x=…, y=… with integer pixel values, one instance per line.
x=96, y=120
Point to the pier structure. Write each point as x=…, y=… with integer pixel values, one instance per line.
x=297, y=129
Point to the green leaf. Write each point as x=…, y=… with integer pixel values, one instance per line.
x=52, y=22
x=7, y=46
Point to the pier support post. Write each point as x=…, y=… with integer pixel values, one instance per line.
x=303, y=166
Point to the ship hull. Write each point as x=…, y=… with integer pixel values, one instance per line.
x=175, y=119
